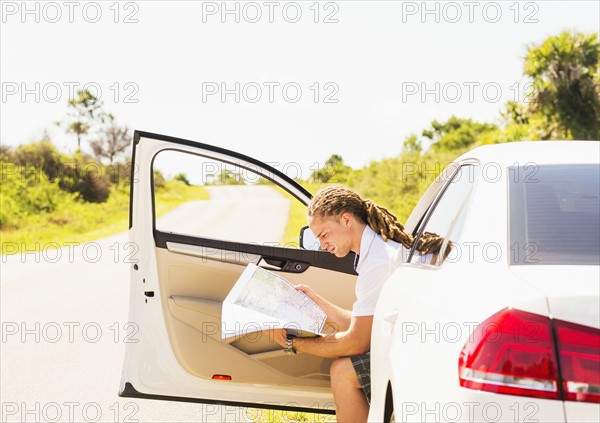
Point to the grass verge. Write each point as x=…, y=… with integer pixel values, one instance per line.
x=78, y=222
x=259, y=415
x=297, y=215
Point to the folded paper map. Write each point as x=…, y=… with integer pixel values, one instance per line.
x=262, y=300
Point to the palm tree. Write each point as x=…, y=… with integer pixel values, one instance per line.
x=564, y=70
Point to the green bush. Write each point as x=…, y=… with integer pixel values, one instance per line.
x=183, y=178
x=26, y=193
x=41, y=155
x=159, y=180
x=81, y=174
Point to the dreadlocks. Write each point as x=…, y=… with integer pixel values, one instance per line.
x=335, y=200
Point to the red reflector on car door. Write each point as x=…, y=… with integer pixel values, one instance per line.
x=221, y=377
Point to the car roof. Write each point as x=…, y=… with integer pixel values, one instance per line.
x=539, y=152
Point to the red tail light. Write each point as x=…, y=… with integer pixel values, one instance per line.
x=514, y=352
x=579, y=349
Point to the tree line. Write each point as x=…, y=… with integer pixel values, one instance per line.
x=37, y=178
x=563, y=104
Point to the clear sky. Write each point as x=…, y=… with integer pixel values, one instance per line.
x=281, y=81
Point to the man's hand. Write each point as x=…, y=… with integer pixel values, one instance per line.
x=337, y=317
x=308, y=291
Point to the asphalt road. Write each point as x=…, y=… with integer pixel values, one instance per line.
x=64, y=316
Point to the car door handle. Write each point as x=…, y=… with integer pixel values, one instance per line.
x=270, y=263
x=291, y=266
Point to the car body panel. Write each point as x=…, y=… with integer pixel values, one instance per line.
x=580, y=303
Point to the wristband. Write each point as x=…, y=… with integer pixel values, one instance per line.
x=289, y=345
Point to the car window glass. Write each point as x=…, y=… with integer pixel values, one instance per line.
x=554, y=214
x=447, y=217
x=209, y=198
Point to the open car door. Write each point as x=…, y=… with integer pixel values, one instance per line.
x=188, y=260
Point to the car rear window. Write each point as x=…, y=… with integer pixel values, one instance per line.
x=554, y=214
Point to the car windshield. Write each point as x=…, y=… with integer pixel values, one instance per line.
x=554, y=214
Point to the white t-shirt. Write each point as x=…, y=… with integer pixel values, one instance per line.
x=377, y=261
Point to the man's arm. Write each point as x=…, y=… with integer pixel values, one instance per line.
x=356, y=340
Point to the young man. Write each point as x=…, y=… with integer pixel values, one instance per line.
x=344, y=222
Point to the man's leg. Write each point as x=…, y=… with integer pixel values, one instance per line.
x=350, y=401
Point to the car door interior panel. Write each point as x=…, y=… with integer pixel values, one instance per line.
x=192, y=289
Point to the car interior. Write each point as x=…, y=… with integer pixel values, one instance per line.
x=197, y=269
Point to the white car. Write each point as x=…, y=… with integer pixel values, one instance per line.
x=505, y=328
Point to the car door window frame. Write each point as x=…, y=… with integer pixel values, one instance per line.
x=424, y=221
x=321, y=259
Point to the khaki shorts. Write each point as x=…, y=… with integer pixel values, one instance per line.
x=362, y=367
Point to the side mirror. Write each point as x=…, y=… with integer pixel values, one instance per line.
x=308, y=241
